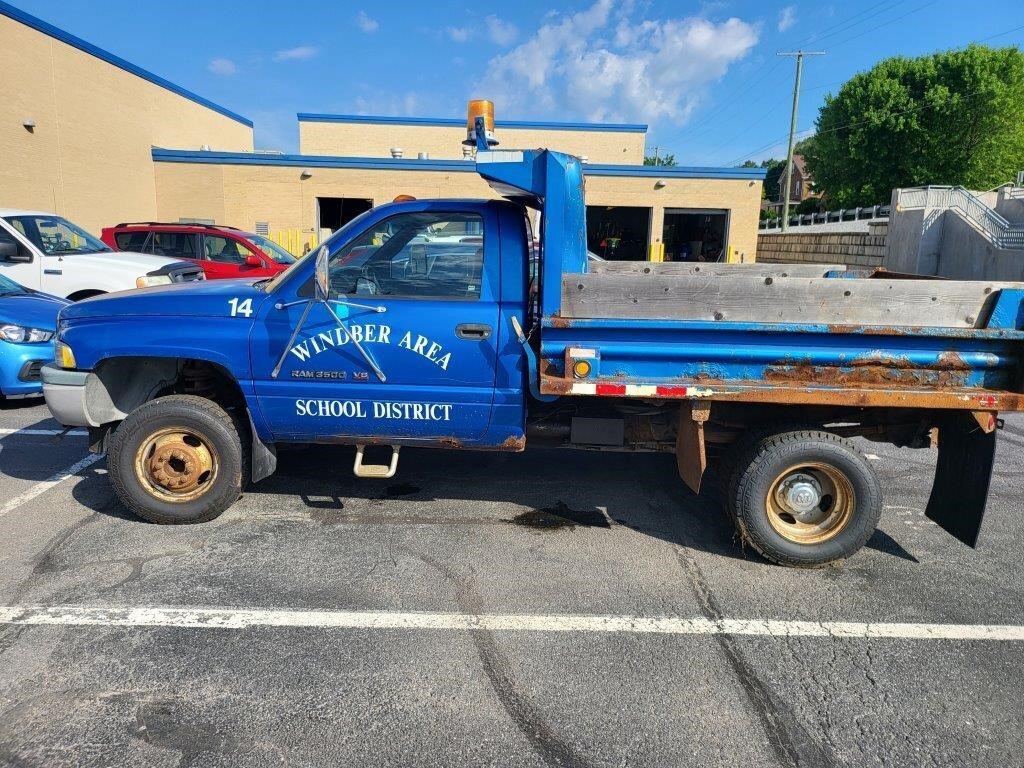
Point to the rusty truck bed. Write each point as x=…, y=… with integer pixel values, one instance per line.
x=756, y=334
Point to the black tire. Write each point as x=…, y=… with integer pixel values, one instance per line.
x=763, y=460
x=221, y=434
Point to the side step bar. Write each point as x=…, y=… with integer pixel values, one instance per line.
x=379, y=471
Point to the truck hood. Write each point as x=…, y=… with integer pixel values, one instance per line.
x=129, y=261
x=208, y=298
x=31, y=309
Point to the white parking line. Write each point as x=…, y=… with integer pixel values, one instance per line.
x=229, y=618
x=48, y=483
x=41, y=432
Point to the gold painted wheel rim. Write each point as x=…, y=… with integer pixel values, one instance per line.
x=810, y=503
x=176, y=465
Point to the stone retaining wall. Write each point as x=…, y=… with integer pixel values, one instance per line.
x=852, y=249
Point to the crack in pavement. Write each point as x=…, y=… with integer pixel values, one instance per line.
x=526, y=716
x=792, y=744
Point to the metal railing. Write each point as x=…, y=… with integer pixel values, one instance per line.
x=866, y=213
x=976, y=211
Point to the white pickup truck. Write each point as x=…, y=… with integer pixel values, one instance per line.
x=49, y=253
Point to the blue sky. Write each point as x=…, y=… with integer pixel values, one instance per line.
x=704, y=75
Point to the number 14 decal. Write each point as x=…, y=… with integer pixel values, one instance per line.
x=243, y=307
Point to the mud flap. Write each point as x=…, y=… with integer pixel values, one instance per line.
x=962, y=476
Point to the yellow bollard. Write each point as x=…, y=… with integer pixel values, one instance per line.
x=656, y=252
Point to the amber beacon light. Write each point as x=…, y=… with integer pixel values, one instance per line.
x=485, y=109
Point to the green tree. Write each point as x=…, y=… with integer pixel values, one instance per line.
x=770, y=190
x=948, y=118
x=668, y=160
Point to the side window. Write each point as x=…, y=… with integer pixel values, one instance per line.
x=132, y=241
x=8, y=239
x=178, y=245
x=414, y=255
x=224, y=249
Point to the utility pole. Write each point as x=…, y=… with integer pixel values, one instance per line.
x=792, y=128
x=656, y=151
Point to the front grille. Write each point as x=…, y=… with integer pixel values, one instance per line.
x=187, y=275
x=31, y=371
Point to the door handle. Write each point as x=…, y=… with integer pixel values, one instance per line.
x=473, y=331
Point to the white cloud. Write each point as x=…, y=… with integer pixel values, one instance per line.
x=367, y=24
x=787, y=17
x=298, y=53
x=501, y=32
x=600, y=65
x=222, y=67
x=458, y=34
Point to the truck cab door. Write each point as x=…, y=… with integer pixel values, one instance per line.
x=420, y=370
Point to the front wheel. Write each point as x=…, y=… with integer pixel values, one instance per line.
x=177, y=459
x=804, y=498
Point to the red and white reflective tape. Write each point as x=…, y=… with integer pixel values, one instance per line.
x=637, y=390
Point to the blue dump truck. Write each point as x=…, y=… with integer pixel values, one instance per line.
x=445, y=323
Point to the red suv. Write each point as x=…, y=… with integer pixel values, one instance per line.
x=220, y=251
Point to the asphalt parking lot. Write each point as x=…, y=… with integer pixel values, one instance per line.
x=275, y=677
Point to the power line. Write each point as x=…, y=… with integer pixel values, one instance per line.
x=1000, y=34
x=885, y=23
x=853, y=124
x=764, y=115
x=842, y=26
x=720, y=109
x=768, y=145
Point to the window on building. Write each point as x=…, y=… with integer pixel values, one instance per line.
x=418, y=255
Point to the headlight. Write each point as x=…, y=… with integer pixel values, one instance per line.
x=20, y=334
x=63, y=357
x=147, y=281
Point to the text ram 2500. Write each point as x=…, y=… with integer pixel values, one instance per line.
x=420, y=339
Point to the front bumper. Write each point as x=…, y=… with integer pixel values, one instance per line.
x=65, y=395
x=19, y=368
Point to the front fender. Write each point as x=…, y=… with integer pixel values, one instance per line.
x=222, y=341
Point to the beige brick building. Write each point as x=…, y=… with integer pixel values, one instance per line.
x=77, y=126
x=92, y=137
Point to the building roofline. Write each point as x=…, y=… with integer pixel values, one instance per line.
x=6, y=9
x=450, y=166
x=313, y=117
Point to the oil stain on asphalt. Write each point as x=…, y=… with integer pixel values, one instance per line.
x=559, y=516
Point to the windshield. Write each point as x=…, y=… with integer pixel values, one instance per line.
x=338, y=236
x=272, y=249
x=8, y=287
x=56, y=236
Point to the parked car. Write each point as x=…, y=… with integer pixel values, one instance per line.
x=221, y=251
x=28, y=321
x=48, y=253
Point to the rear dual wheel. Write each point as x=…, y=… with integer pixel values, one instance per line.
x=803, y=497
x=177, y=459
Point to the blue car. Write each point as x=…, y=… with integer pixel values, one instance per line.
x=28, y=320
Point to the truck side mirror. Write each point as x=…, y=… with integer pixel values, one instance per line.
x=13, y=253
x=323, y=278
